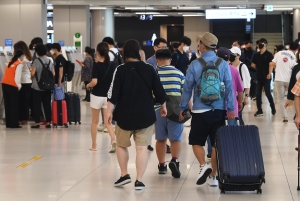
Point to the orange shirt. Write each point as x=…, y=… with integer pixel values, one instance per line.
x=9, y=75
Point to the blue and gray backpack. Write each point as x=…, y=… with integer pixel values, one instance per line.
x=210, y=89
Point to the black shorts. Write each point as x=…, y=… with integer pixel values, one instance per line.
x=204, y=125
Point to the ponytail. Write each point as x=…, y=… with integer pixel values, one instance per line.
x=103, y=50
x=18, y=54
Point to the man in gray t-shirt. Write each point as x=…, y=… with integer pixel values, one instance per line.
x=39, y=67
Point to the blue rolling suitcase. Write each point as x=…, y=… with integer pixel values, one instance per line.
x=239, y=159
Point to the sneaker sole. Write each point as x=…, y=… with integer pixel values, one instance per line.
x=138, y=188
x=174, y=170
x=203, y=179
x=127, y=181
x=260, y=115
x=160, y=172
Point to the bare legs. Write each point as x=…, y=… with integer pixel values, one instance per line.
x=94, y=124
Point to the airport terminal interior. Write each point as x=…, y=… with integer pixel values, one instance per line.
x=58, y=163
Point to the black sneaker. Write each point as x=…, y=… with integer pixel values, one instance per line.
x=273, y=112
x=150, y=148
x=162, y=169
x=259, y=114
x=139, y=185
x=208, y=157
x=168, y=149
x=123, y=180
x=285, y=121
x=174, y=167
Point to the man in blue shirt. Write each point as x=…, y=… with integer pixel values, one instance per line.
x=207, y=119
x=159, y=43
x=180, y=58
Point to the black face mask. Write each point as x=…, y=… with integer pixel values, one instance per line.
x=261, y=46
x=249, y=48
x=232, y=58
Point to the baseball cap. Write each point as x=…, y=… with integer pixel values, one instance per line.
x=236, y=50
x=224, y=53
x=263, y=40
x=209, y=40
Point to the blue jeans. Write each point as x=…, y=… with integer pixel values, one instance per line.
x=209, y=147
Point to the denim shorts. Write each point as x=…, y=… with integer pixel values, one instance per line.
x=165, y=128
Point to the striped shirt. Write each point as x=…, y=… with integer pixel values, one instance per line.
x=172, y=81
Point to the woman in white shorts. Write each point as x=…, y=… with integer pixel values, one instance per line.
x=102, y=76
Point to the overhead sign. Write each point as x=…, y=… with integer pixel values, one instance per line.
x=49, y=23
x=8, y=42
x=269, y=8
x=230, y=13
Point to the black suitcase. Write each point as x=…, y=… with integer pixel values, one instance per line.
x=73, y=105
x=239, y=159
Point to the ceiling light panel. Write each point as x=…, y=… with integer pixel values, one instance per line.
x=186, y=8
x=139, y=8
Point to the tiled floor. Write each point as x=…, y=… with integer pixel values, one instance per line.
x=68, y=171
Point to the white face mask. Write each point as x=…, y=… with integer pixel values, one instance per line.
x=84, y=53
x=287, y=47
x=186, y=48
x=51, y=52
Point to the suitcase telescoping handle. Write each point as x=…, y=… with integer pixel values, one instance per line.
x=298, y=187
x=237, y=120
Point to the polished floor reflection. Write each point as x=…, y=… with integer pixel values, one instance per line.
x=68, y=171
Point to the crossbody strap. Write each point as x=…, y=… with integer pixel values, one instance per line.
x=105, y=72
x=240, y=69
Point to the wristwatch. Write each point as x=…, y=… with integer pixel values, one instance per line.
x=247, y=95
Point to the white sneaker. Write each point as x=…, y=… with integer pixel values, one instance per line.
x=101, y=128
x=105, y=130
x=205, y=171
x=212, y=181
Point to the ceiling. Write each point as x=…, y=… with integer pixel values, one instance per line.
x=179, y=7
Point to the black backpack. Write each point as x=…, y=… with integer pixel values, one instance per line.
x=46, y=81
x=69, y=70
x=117, y=58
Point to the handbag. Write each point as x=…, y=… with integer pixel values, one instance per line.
x=59, y=93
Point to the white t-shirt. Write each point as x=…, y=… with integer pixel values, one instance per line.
x=26, y=76
x=246, y=76
x=111, y=56
x=285, y=60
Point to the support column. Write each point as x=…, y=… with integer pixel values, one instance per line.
x=296, y=23
x=103, y=24
x=69, y=20
x=23, y=20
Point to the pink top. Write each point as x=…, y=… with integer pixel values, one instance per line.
x=237, y=86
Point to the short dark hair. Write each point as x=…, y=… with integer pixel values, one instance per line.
x=88, y=50
x=257, y=42
x=159, y=40
x=294, y=46
x=280, y=47
x=176, y=45
x=103, y=50
x=131, y=49
x=108, y=40
x=56, y=46
x=248, y=41
x=41, y=49
x=163, y=54
x=48, y=46
x=36, y=40
x=186, y=40
x=120, y=45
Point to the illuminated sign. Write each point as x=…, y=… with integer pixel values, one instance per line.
x=230, y=13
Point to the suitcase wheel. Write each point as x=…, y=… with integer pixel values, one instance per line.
x=66, y=126
x=222, y=191
x=70, y=123
x=259, y=191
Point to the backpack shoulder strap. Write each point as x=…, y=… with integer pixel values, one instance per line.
x=240, y=69
x=36, y=77
x=218, y=62
x=115, y=55
x=202, y=62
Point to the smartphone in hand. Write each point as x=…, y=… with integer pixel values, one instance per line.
x=79, y=62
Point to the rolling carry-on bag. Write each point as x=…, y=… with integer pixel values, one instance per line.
x=59, y=113
x=239, y=158
x=73, y=105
